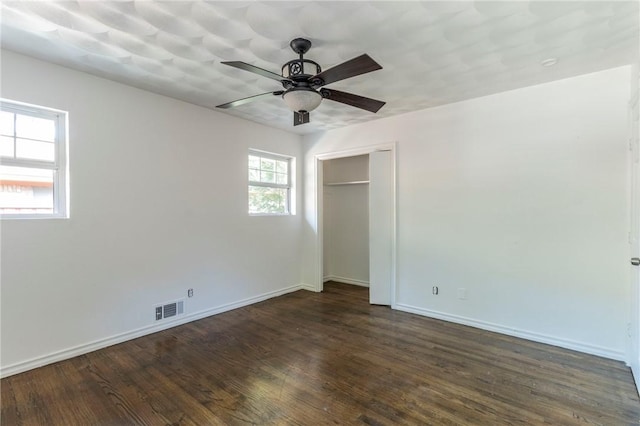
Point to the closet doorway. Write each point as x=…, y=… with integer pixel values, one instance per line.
x=356, y=206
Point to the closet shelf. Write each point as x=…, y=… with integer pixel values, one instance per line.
x=354, y=182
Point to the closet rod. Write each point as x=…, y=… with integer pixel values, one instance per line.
x=355, y=182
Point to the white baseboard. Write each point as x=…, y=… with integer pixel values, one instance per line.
x=346, y=280
x=308, y=287
x=61, y=355
x=523, y=334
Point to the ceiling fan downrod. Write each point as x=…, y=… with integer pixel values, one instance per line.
x=299, y=70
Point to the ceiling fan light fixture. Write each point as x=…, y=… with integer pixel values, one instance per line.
x=302, y=99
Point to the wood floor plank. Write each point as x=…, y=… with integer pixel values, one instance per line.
x=81, y=390
x=9, y=414
x=324, y=358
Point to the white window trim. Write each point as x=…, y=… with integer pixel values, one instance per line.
x=288, y=186
x=59, y=165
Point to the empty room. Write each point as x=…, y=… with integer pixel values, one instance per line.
x=315, y=212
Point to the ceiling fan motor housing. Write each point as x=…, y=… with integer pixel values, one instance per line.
x=300, y=69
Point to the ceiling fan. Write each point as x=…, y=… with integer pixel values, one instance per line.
x=303, y=81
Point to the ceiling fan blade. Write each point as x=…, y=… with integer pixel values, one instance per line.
x=253, y=98
x=351, y=99
x=300, y=117
x=353, y=67
x=255, y=70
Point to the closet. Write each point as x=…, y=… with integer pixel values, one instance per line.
x=346, y=220
x=356, y=210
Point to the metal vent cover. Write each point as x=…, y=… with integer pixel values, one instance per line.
x=169, y=310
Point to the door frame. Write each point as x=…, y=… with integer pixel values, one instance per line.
x=319, y=208
x=634, y=232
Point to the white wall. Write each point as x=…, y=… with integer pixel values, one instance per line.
x=158, y=205
x=521, y=198
x=346, y=220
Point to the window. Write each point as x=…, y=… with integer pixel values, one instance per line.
x=269, y=184
x=32, y=161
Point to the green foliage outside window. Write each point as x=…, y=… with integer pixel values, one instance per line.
x=264, y=200
x=269, y=185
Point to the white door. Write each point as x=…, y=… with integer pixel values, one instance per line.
x=381, y=216
x=635, y=231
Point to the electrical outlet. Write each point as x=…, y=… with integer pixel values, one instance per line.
x=462, y=293
x=190, y=292
x=434, y=290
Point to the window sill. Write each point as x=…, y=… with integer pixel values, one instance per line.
x=271, y=214
x=31, y=216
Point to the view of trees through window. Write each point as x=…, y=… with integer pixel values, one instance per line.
x=269, y=184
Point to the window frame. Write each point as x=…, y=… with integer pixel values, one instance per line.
x=58, y=165
x=288, y=186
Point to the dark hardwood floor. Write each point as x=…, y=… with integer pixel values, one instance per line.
x=330, y=358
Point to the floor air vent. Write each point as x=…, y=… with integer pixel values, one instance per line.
x=169, y=310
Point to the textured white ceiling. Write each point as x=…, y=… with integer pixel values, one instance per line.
x=432, y=53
